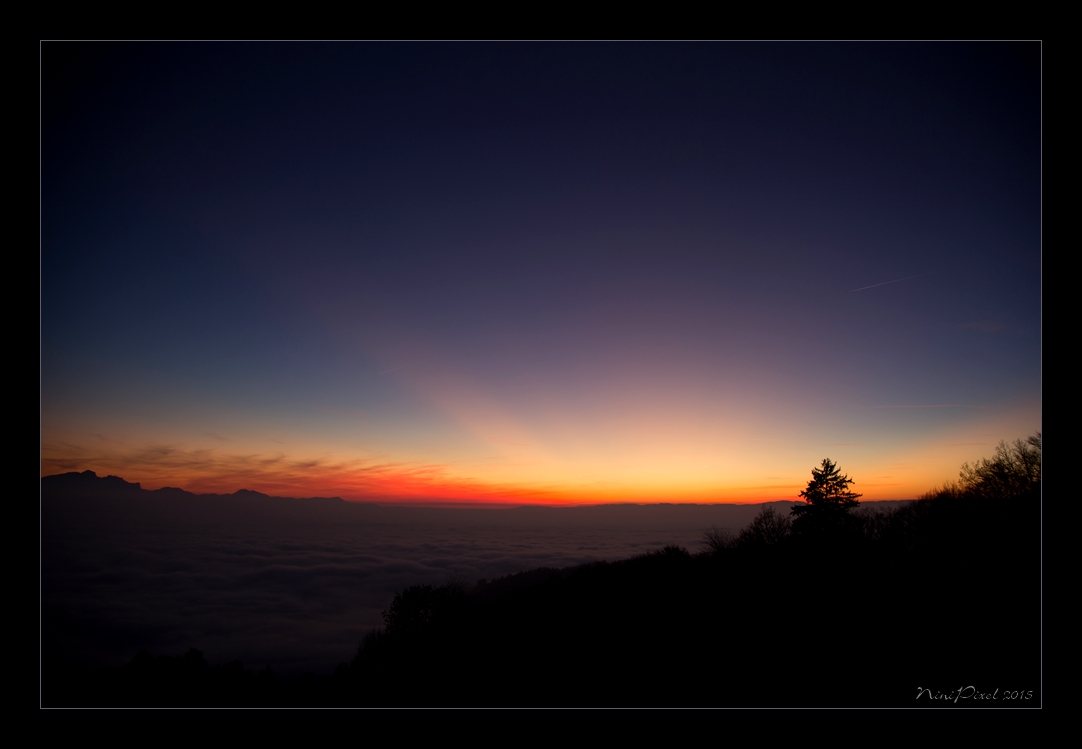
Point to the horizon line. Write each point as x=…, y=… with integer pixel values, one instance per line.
x=434, y=503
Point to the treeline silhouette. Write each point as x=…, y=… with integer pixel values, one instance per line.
x=860, y=607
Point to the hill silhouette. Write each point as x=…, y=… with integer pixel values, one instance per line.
x=934, y=603
x=87, y=485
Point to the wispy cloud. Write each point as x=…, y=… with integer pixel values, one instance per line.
x=217, y=471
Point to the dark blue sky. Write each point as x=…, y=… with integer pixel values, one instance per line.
x=542, y=271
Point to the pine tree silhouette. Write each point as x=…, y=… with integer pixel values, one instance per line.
x=828, y=500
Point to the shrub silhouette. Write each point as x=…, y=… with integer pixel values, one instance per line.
x=1015, y=471
x=417, y=608
x=719, y=540
x=769, y=528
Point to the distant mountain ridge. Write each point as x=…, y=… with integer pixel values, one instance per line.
x=89, y=485
x=75, y=493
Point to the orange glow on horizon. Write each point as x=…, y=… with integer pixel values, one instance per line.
x=636, y=465
x=404, y=483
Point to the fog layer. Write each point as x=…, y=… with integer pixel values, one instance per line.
x=296, y=583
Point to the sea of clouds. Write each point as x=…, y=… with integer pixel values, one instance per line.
x=295, y=584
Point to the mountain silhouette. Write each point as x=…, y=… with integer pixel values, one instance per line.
x=89, y=485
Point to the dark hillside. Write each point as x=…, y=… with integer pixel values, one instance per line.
x=940, y=594
x=903, y=607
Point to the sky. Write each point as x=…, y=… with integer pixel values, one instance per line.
x=555, y=273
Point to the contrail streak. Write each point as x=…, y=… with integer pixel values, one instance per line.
x=896, y=280
x=937, y=405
